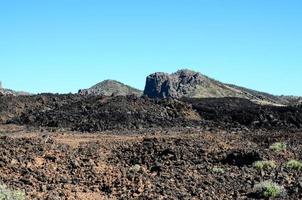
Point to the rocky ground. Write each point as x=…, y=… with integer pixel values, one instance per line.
x=99, y=113
x=95, y=113
x=75, y=147
x=146, y=164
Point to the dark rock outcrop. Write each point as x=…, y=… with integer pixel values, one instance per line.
x=179, y=84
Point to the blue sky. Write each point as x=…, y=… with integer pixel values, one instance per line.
x=64, y=45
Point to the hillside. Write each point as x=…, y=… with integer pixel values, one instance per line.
x=109, y=88
x=190, y=84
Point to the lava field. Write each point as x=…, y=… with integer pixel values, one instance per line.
x=99, y=113
x=85, y=147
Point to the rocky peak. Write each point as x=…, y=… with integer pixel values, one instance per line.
x=186, y=72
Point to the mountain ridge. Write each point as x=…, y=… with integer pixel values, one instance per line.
x=182, y=83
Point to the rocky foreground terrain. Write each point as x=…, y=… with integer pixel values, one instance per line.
x=97, y=147
x=147, y=164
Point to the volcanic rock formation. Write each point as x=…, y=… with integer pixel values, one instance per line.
x=187, y=83
x=176, y=85
x=109, y=88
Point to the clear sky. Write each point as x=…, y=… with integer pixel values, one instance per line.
x=64, y=45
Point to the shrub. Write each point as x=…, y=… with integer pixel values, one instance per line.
x=218, y=170
x=7, y=194
x=135, y=168
x=265, y=164
x=278, y=147
x=294, y=164
x=268, y=189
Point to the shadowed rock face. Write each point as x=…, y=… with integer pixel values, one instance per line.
x=109, y=88
x=156, y=85
x=179, y=84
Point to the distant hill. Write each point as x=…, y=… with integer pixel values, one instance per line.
x=7, y=92
x=191, y=84
x=109, y=88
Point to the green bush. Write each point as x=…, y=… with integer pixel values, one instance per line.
x=294, y=164
x=264, y=165
x=278, y=147
x=135, y=168
x=268, y=189
x=7, y=194
x=218, y=170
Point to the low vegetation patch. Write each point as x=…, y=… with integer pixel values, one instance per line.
x=218, y=170
x=269, y=189
x=264, y=165
x=278, y=147
x=294, y=164
x=7, y=194
x=135, y=168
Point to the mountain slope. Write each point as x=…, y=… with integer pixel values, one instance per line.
x=187, y=83
x=109, y=88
